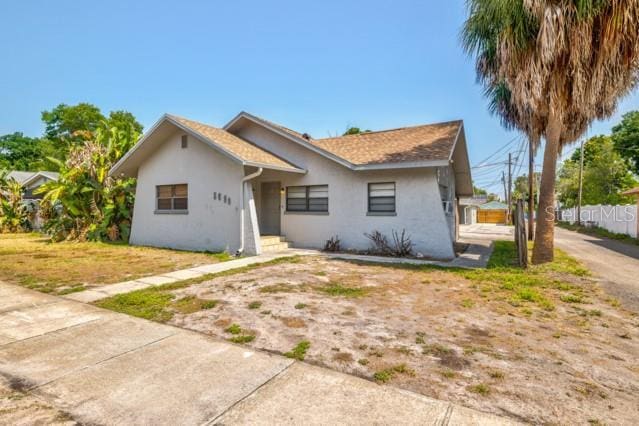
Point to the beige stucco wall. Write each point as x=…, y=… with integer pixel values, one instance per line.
x=418, y=201
x=210, y=224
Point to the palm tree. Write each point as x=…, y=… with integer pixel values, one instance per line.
x=564, y=64
x=499, y=103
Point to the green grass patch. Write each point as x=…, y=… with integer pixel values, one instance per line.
x=299, y=351
x=383, y=376
x=530, y=285
x=234, y=329
x=338, y=290
x=69, y=290
x=436, y=349
x=301, y=306
x=481, y=389
x=448, y=373
x=243, y=338
x=255, y=305
x=572, y=298
x=467, y=303
x=599, y=232
x=190, y=304
x=239, y=334
x=150, y=304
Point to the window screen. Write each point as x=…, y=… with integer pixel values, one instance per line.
x=172, y=197
x=381, y=197
x=312, y=198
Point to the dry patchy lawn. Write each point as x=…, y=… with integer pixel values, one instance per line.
x=545, y=346
x=33, y=261
x=19, y=407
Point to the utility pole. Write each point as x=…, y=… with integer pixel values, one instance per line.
x=503, y=180
x=581, y=181
x=531, y=190
x=510, y=184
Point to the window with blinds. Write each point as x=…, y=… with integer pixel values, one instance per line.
x=172, y=197
x=312, y=198
x=381, y=197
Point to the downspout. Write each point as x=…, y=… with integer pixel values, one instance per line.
x=244, y=180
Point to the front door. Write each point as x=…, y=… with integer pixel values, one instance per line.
x=270, y=208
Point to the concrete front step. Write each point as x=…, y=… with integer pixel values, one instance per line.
x=274, y=243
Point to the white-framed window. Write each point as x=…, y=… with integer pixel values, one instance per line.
x=381, y=197
x=312, y=198
x=172, y=197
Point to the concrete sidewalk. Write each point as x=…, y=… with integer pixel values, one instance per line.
x=101, y=367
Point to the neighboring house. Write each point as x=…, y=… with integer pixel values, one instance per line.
x=468, y=208
x=204, y=188
x=493, y=212
x=30, y=181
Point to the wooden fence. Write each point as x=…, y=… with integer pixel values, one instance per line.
x=521, y=241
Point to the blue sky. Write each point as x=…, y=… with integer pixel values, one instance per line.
x=316, y=67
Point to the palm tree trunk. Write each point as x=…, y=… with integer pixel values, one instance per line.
x=543, y=250
x=532, y=143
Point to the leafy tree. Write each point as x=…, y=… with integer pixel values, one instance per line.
x=626, y=138
x=14, y=214
x=19, y=152
x=90, y=204
x=605, y=175
x=520, y=187
x=479, y=191
x=354, y=131
x=124, y=120
x=561, y=65
x=68, y=126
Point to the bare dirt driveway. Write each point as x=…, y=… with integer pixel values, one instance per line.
x=614, y=263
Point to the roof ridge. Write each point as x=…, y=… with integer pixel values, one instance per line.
x=274, y=123
x=393, y=130
x=194, y=121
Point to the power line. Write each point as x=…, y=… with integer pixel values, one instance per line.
x=498, y=151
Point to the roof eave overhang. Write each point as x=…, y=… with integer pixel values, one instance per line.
x=461, y=173
x=278, y=168
x=34, y=177
x=403, y=165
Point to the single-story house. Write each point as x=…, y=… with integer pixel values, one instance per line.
x=493, y=212
x=468, y=208
x=30, y=181
x=240, y=187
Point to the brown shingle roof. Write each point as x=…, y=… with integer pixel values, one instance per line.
x=234, y=144
x=429, y=142
x=633, y=191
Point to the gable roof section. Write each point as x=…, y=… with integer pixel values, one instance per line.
x=427, y=143
x=431, y=145
x=24, y=178
x=234, y=147
x=285, y=132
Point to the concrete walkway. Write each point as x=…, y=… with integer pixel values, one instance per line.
x=101, y=367
x=476, y=256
